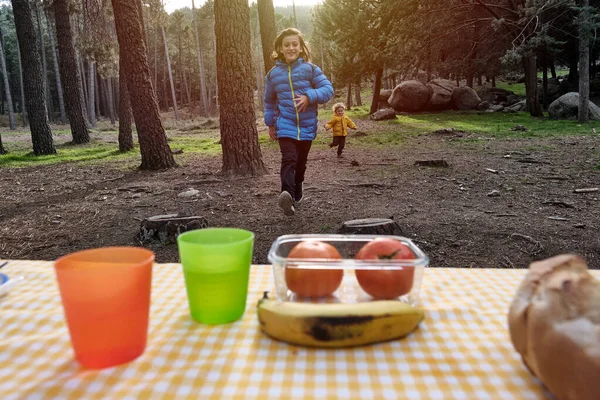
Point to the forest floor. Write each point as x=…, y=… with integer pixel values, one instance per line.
x=501, y=202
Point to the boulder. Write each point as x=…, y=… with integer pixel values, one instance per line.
x=567, y=107
x=386, y=113
x=465, y=98
x=410, y=96
x=441, y=94
x=385, y=94
x=494, y=95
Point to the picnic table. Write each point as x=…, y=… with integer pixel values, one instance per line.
x=461, y=350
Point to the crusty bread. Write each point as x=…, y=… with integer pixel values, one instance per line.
x=554, y=323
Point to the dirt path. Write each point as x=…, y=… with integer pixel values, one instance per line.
x=462, y=216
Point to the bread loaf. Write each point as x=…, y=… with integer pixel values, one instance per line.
x=554, y=323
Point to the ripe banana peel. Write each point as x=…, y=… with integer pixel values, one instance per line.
x=337, y=325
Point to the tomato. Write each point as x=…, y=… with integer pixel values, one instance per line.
x=385, y=284
x=313, y=282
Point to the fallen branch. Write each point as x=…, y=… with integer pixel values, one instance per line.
x=559, y=203
x=555, y=178
x=374, y=185
x=432, y=163
x=113, y=179
x=558, y=218
x=586, y=190
x=493, y=171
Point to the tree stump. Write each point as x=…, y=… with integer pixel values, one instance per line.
x=432, y=163
x=371, y=226
x=164, y=229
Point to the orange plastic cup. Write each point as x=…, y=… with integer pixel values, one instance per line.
x=106, y=298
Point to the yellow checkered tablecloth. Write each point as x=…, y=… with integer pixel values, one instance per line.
x=461, y=350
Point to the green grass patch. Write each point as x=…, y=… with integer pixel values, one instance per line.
x=516, y=88
x=491, y=124
x=89, y=153
x=478, y=125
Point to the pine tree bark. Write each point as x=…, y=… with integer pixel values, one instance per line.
x=109, y=99
x=266, y=20
x=173, y=97
x=35, y=96
x=49, y=104
x=2, y=149
x=23, y=108
x=125, y=117
x=59, y=87
x=12, y=122
x=70, y=73
x=155, y=151
x=531, y=92
x=91, y=93
x=239, y=136
x=376, y=90
x=583, y=116
x=203, y=98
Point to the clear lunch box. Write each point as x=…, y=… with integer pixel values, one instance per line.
x=315, y=279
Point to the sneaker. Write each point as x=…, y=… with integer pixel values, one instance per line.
x=331, y=145
x=341, y=156
x=286, y=203
x=299, y=196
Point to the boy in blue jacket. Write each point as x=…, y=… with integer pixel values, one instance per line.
x=294, y=88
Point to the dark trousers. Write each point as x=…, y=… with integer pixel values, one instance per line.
x=293, y=163
x=340, y=142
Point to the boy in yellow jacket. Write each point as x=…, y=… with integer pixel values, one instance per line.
x=340, y=124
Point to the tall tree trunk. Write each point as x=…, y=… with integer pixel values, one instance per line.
x=59, y=88
x=357, y=98
x=49, y=104
x=154, y=148
x=83, y=86
x=294, y=19
x=239, y=136
x=584, y=64
x=266, y=21
x=376, y=90
x=531, y=92
x=349, y=96
x=203, y=92
x=23, y=108
x=2, y=149
x=97, y=93
x=545, y=100
x=41, y=135
x=186, y=90
x=109, y=99
x=174, y=98
x=12, y=122
x=91, y=93
x=70, y=73
x=552, y=68
x=125, y=117
x=155, y=85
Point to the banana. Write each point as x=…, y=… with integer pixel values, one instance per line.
x=337, y=325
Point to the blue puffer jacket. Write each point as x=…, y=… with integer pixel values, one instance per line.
x=284, y=82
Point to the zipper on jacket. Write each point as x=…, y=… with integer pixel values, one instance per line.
x=294, y=99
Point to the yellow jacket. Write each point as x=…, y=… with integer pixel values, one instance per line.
x=340, y=125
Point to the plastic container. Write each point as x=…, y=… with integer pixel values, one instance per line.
x=350, y=290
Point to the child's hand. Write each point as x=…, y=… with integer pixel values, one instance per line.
x=301, y=102
x=272, y=133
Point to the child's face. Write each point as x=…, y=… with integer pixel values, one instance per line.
x=339, y=111
x=290, y=47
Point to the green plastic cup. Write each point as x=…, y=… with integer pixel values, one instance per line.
x=216, y=266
